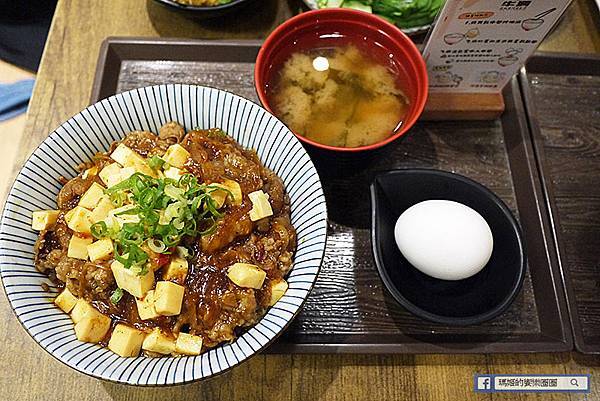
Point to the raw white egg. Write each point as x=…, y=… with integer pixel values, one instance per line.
x=444, y=239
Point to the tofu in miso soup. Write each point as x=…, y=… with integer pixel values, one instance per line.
x=338, y=97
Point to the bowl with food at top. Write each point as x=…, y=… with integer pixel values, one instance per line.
x=201, y=9
x=342, y=80
x=413, y=17
x=155, y=238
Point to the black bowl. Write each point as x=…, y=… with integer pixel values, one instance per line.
x=202, y=12
x=462, y=302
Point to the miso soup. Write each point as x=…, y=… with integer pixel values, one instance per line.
x=338, y=97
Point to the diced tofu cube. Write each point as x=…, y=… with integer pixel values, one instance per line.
x=100, y=250
x=236, y=191
x=101, y=211
x=79, y=220
x=65, y=300
x=43, y=219
x=92, y=196
x=246, y=275
x=78, y=247
x=82, y=309
x=217, y=195
x=127, y=172
x=126, y=341
x=176, y=155
x=173, y=173
x=128, y=158
x=111, y=222
x=168, y=297
x=188, y=344
x=123, y=155
x=261, y=207
x=278, y=288
x=141, y=166
x=176, y=270
x=232, y=193
x=145, y=306
x=127, y=279
x=110, y=174
x=92, y=328
x=159, y=342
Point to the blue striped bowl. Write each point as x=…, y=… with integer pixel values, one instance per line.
x=91, y=131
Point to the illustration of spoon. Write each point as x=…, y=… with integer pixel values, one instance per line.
x=533, y=23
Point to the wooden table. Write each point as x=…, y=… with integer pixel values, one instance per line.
x=63, y=88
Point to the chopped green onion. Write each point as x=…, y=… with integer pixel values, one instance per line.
x=118, y=199
x=155, y=162
x=116, y=296
x=156, y=245
x=211, y=205
x=173, y=192
x=178, y=223
x=122, y=186
x=158, y=212
x=140, y=270
x=99, y=230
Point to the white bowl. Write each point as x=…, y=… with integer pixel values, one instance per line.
x=92, y=130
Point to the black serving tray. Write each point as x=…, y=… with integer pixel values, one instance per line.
x=562, y=97
x=349, y=309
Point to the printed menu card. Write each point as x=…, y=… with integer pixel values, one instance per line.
x=478, y=45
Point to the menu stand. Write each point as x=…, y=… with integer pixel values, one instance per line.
x=463, y=106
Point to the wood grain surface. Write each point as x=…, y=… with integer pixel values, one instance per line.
x=63, y=88
x=568, y=117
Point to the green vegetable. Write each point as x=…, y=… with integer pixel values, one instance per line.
x=160, y=213
x=116, y=296
x=157, y=245
x=404, y=13
x=408, y=13
x=155, y=162
x=358, y=5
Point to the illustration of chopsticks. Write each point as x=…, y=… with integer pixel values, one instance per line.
x=543, y=14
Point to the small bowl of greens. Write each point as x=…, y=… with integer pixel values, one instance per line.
x=204, y=8
x=412, y=16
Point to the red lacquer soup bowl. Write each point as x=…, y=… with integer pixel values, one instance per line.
x=334, y=27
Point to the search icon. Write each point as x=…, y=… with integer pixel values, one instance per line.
x=574, y=382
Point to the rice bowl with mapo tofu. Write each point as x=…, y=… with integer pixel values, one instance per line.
x=253, y=145
x=169, y=243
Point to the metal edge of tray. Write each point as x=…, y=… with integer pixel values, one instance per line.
x=555, y=335
x=539, y=245
x=116, y=48
x=556, y=64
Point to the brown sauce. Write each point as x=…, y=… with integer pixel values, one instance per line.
x=213, y=307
